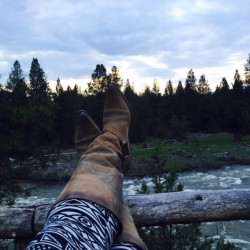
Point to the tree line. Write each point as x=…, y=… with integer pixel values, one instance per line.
x=32, y=116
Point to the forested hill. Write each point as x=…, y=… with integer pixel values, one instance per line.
x=32, y=117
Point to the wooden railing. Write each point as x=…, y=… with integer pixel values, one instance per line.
x=19, y=222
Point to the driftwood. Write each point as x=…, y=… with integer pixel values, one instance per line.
x=147, y=210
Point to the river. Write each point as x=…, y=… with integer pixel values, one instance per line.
x=229, y=177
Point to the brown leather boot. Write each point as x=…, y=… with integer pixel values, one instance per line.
x=129, y=233
x=116, y=117
x=97, y=177
x=86, y=131
x=117, y=111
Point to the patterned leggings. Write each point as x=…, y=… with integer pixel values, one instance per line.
x=79, y=224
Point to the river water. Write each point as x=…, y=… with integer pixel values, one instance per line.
x=229, y=177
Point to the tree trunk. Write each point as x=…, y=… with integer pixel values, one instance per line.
x=147, y=210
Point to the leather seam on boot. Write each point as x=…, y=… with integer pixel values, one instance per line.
x=116, y=133
x=124, y=146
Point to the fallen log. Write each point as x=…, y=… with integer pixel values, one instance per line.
x=147, y=210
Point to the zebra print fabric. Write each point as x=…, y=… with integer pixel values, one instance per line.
x=79, y=224
x=125, y=246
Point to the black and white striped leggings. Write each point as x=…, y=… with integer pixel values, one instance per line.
x=79, y=224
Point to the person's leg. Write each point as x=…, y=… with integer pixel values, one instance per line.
x=85, y=211
x=97, y=180
x=86, y=131
x=77, y=224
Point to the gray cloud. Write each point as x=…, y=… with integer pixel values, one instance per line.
x=145, y=39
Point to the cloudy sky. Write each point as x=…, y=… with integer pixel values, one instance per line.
x=145, y=39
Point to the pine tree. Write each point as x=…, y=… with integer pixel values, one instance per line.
x=128, y=88
x=16, y=76
x=17, y=119
x=203, y=87
x=67, y=107
x=115, y=77
x=247, y=71
x=147, y=91
x=167, y=106
x=156, y=87
x=238, y=117
x=179, y=102
x=39, y=86
x=190, y=81
x=41, y=107
x=223, y=105
x=99, y=81
x=169, y=91
x=238, y=84
x=179, y=89
x=59, y=88
x=224, y=84
x=17, y=85
x=12, y=144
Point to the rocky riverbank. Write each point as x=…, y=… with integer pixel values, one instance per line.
x=200, y=153
x=60, y=167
